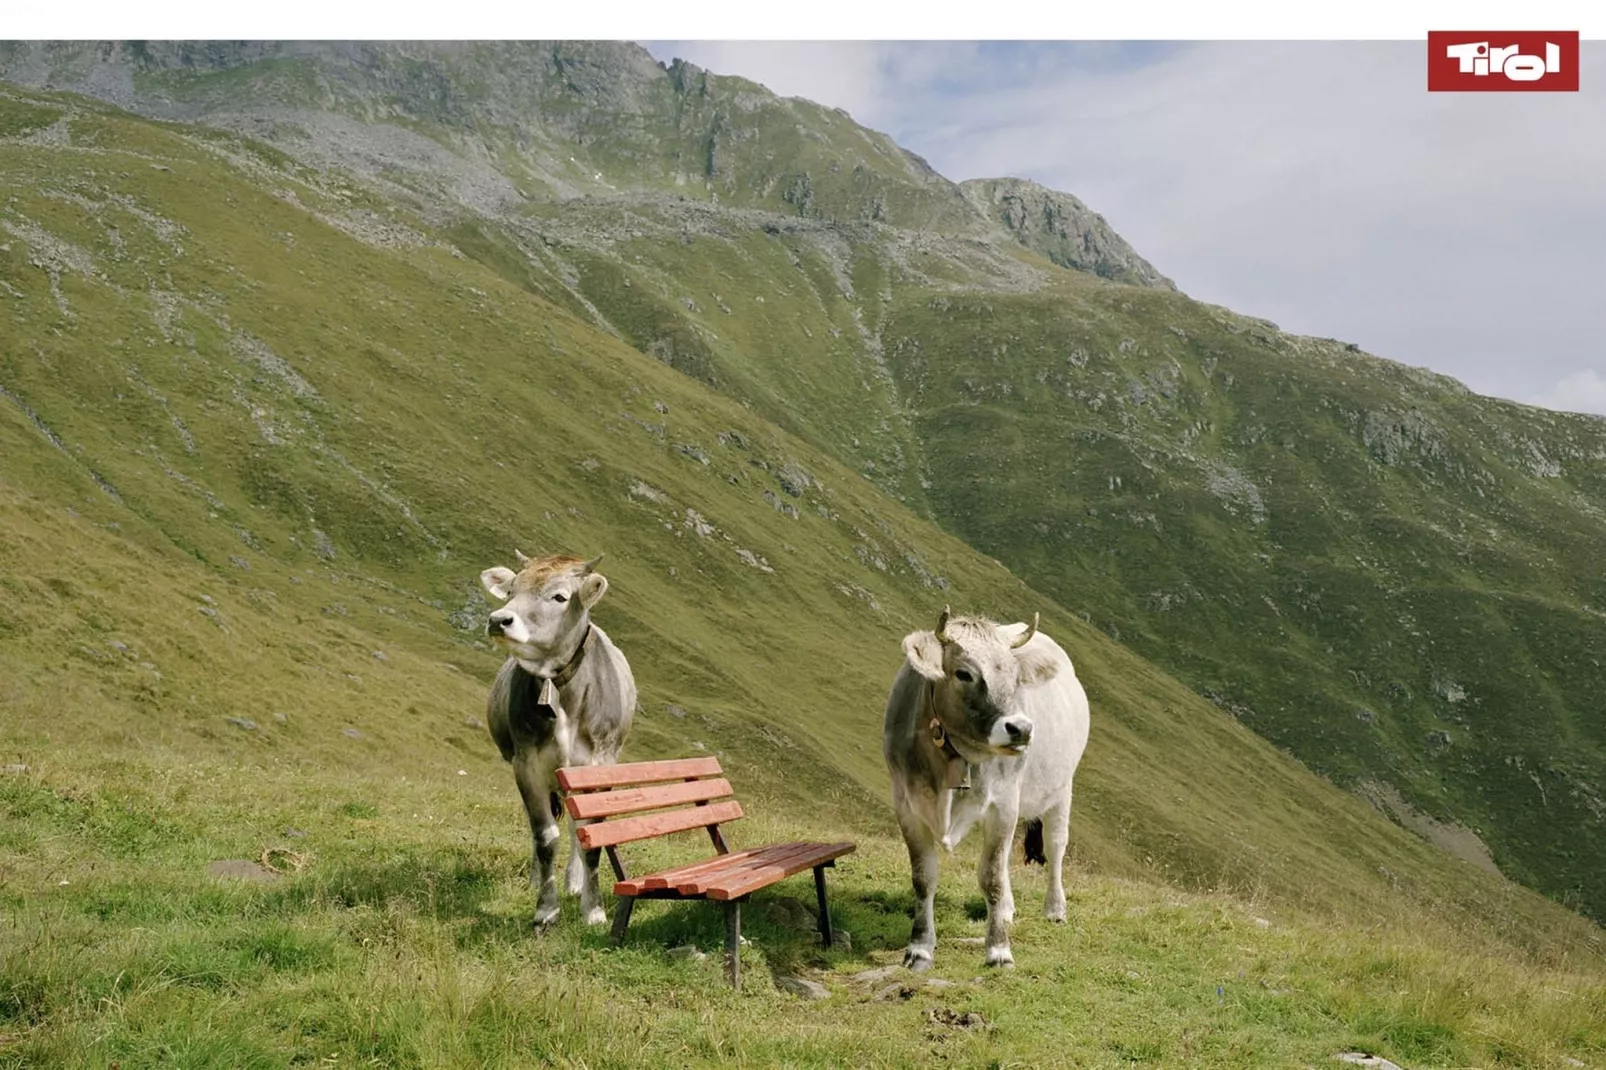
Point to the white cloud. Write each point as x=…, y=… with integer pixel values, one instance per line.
x=1581, y=391
x=1317, y=184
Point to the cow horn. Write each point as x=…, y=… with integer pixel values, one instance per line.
x=1023, y=640
x=592, y=564
x=523, y=560
x=942, y=625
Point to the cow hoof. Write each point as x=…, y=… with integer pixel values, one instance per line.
x=1001, y=956
x=543, y=918
x=917, y=959
x=596, y=916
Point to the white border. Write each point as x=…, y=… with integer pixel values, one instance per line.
x=863, y=20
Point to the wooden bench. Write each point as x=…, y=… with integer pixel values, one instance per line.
x=699, y=796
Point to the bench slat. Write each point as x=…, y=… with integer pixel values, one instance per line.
x=624, y=830
x=700, y=883
x=592, y=777
x=665, y=878
x=669, y=878
x=716, y=869
x=630, y=800
x=767, y=875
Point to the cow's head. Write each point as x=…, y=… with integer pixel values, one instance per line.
x=548, y=605
x=977, y=670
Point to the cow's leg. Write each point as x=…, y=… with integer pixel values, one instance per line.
x=582, y=872
x=575, y=875
x=923, y=867
x=992, y=872
x=531, y=773
x=1056, y=834
x=590, y=895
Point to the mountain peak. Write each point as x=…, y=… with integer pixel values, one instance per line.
x=1062, y=228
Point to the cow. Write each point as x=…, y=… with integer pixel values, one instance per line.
x=565, y=696
x=984, y=722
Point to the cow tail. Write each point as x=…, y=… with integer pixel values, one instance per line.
x=555, y=803
x=1034, y=842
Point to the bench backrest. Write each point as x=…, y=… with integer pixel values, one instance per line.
x=687, y=793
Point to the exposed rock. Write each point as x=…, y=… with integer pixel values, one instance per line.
x=755, y=561
x=1361, y=1058
x=1457, y=839
x=242, y=722
x=873, y=976
x=1062, y=228
x=788, y=911
x=801, y=986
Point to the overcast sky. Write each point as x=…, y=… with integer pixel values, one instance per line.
x=1315, y=184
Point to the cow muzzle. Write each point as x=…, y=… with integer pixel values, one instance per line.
x=499, y=623
x=1013, y=734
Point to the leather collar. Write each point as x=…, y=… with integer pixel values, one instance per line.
x=956, y=769
x=562, y=677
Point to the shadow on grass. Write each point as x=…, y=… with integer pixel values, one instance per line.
x=468, y=891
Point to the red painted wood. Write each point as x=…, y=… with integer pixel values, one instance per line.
x=761, y=876
x=700, y=883
x=665, y=878
x=694, y=881
x=641, y=827
x=592, y=777
x=630, y=800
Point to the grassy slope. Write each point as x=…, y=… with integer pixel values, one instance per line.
x=1392, y=577
x=245, y=452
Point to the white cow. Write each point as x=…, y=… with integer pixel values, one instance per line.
x=984, y=722
x=565, y=696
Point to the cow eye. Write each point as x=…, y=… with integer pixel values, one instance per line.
x=560, y=598
x=963, y=676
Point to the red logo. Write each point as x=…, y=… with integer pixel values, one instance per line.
x=1522, y=61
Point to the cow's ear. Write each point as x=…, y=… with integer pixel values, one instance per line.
x=499, y=581
x=592, y=588
x=924, y=652
x=1037, y=666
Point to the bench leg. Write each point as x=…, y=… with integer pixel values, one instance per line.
x=621, y=917
x=733, y=942
x=825, y=911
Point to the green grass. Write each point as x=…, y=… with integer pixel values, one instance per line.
x=404, y=941
x=252, y=470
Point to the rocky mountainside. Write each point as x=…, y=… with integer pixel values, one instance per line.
x=1061, y=228
x=1392, y=578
